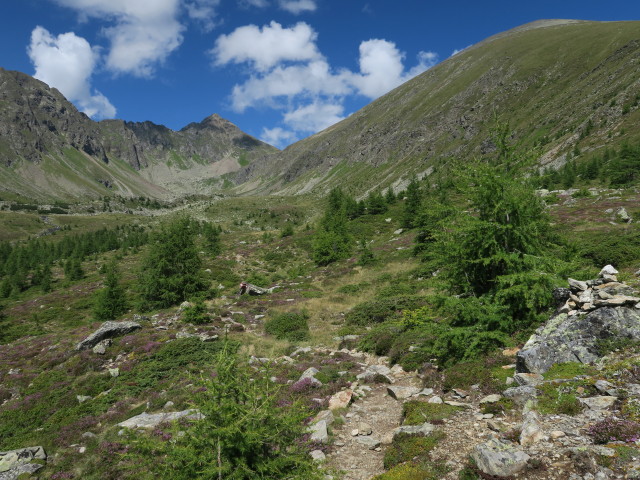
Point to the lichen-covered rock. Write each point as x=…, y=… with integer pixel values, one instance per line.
x=424, y=429
x=107, y=330
x=499, y=457
x=152, y=420
x=16, y=462
x=575, y=338
x=319, y=432
x=402, y=393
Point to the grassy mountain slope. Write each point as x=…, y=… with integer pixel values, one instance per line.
x=49, y=150
x=560, y=84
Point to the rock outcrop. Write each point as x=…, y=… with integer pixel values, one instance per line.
x=107, y=330
x=14, y=463
x=593, y=313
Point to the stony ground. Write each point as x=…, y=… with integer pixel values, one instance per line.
x=379, y=411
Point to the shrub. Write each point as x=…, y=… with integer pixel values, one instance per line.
x=613, y=429
x=290, y=326
x=377, y=311
x=196, y=313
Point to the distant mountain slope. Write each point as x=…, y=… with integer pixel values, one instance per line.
x=570, y=86
x=49, y=150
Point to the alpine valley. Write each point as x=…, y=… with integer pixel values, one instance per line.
x=443, y=285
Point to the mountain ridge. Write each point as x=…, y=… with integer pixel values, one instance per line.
x=43, y=136
x=548, y=79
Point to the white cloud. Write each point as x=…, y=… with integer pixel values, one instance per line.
x=278, y=136
x=267, y=46
x=143, y=34
x=253, y=3
x=382, y=68
x=66, y=62
x=315, y=116
x=290, y=74
x=298, y=6
x=314, y=78
x=204, y=12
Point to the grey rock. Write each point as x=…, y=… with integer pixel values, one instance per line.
x=318, y=455
x=82, y=398
x=370, y=442
x=402, y=393
x=101, y=347
x=425, y=392
x=531, y=429
x=151, y=420
x=491, y=398
x=326, y=416
x=372, y=371
x=458, y=404
x=599, y=403
x=310, y=374
x=608, y=270
x=606, y=387
x=532, y=379
x=435, y=399
x=499, y=458
x=575, y=339
x=107, y=330
x=15, y=462
x=521, y=394
x=424, y=429
x=623, y=215
x=577, y=285
x=89, y=435
x=319, y=432
x=114, y=372
x=364, y=428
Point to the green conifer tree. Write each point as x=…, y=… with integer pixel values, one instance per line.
x=171, y=269
x=110, y=302
x=412, y=204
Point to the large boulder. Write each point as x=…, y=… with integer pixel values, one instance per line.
x=107, y=330
x=575, y=338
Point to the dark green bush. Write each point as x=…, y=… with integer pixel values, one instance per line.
x=377, y=311
x=196, y=313
x=620, y=249
x=290, y=326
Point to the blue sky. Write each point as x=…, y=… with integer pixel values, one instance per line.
x=279, y=69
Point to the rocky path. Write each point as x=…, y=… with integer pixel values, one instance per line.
x=360, y=454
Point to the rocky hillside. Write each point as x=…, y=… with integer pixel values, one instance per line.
x=568, y=86
x=49, y=150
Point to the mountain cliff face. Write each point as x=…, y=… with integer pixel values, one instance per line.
x=50, y=150
x=565, y=86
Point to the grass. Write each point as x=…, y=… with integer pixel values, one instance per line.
x=415, y=412
x=568, y=370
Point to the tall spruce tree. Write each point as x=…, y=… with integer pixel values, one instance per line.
x=332, y=240
x=110, y=302
x=171, y=269
x=496, y=247
x=412, y=204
